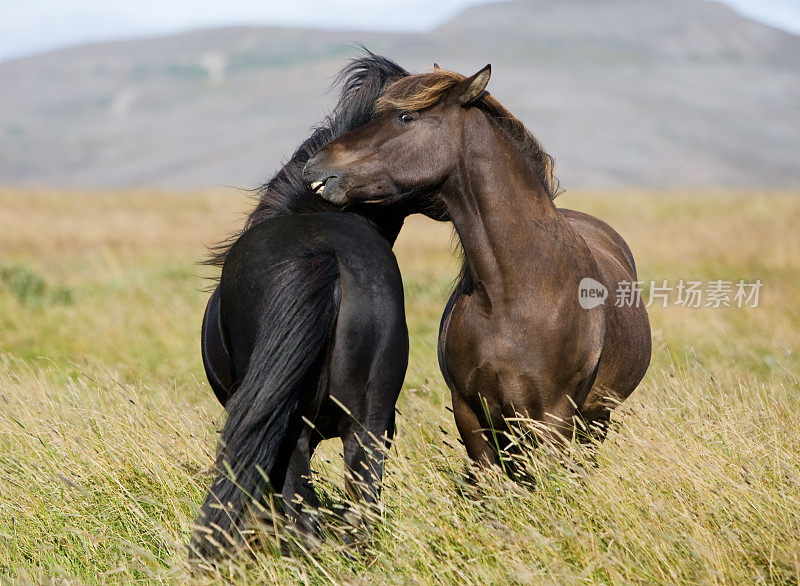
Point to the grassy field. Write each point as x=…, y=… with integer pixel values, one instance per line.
x=108, y=427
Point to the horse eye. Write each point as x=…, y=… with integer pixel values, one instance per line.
x=406, y=117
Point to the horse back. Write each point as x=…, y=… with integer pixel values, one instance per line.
x=604, y=242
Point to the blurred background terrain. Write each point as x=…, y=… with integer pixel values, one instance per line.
x=623, y=93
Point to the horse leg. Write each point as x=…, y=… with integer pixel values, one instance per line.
x=558, y=424
x=473, y=433
x=547, y=430
x=559, y=429
x=597, y=429
x=299, y=497
x=365, y=449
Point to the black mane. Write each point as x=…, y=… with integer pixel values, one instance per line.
x=363, y=81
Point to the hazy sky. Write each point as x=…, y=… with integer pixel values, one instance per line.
x=31, y=26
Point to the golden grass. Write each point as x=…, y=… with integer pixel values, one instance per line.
x=107, y=426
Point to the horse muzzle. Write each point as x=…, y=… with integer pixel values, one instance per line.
x=323, y=182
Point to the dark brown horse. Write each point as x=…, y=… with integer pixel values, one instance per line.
x=514, y=339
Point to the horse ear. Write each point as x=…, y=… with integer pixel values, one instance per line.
x=436, y=66
x=470, y=89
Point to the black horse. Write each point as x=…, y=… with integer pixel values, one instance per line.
x=304, y=338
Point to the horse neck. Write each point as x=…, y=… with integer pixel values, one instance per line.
x=387, y=221
x=508, y=226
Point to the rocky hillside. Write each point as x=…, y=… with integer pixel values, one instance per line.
x=623, y=93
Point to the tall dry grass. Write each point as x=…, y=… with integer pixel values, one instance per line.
x=107, y=427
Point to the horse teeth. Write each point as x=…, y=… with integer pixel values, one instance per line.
x=315, y=185
x=321, y=189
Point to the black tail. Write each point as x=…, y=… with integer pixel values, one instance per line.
x=298, y=320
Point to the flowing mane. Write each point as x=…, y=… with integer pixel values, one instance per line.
x=362, y=81
x=418, y=92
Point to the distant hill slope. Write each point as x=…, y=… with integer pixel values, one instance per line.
x=623, y=93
